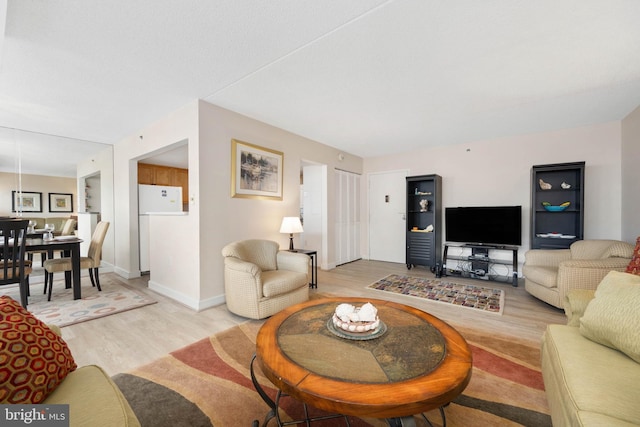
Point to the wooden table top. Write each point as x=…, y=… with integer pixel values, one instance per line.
x=418, y=364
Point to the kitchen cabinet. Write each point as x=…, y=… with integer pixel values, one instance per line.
x=165, y=175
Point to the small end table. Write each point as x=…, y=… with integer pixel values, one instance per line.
x=314, y=264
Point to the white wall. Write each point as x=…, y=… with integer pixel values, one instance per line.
x=225, y=219
x=631, y=176
x=187, y=264
x=498, y=172
x=37, y=183
x=174, y=240
x=102, y=163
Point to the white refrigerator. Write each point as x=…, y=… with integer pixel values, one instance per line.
x=154, y=199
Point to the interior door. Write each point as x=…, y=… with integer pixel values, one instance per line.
x=347, y=187
x=387, y=217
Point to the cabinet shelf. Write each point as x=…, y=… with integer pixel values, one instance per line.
x=480, y=262
x=569, y=221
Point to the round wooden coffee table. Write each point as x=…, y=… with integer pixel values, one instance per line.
x=418, y=364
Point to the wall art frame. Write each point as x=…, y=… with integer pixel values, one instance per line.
x=26, y=201
x=256, y=172
x=60, y=202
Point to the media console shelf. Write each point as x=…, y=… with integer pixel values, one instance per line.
x=476, y=261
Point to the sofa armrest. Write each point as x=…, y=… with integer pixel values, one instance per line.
x=55, y=329
x=547, y=257
x=575, y=303
x=586, y=274
x=293, y=261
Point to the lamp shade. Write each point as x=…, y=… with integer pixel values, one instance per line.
x=291, y=224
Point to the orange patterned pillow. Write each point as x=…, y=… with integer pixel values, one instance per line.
x=634, y=265
x=33, y=358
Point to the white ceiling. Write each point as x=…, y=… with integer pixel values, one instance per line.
x=370, y=77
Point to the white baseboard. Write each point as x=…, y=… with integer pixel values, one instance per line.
x=197, y=305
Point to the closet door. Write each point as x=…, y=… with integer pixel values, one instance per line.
x=347, y=225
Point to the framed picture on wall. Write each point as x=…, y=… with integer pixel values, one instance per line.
x=26, y=201
x=60, y=202
x=256, y=172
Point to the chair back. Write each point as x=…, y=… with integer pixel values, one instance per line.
x=68, y=227
x=600, y=249
x=263, y=253
x=97, y=239
x=12, y=246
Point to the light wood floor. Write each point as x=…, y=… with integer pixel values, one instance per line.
x=127, y=340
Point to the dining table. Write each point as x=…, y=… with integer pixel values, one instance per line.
x=69, y=246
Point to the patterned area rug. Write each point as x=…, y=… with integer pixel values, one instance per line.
x=464, y=295
x=208, y=384
x=63, y=310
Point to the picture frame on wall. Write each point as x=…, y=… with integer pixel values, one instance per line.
x=26, y=201
x=256, y=172
x=60, y=202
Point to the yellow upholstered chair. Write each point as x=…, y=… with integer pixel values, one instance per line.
x=549, y=274
x=91, y=261
x=260, y=279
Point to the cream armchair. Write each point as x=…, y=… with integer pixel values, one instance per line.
x=551, y=273
x=260, y=280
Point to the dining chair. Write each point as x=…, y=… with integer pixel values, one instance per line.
x=91, y=261
x=67, y=229
x=13, y=267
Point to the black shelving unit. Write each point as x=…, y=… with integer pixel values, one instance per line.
x=557, y=229
x=478, y=262
x=424, y=222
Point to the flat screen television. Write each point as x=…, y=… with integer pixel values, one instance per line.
x=485, y=225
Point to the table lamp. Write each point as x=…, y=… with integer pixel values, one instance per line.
x=291, y=224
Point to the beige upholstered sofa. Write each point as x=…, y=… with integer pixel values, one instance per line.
x=93, y=398
x=591, y=366
x=57, y=221
x=550, y=273
x=260, y=280
x=51, y=376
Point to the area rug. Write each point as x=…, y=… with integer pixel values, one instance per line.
x=208, y=384
x=63, y=310
x=464, y=295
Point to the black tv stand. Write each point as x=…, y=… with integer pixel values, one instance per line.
x=479, y=261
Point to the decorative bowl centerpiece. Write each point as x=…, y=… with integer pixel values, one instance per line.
x=353, y=322
x=559, y=208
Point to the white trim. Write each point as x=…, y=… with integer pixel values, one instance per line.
x=197, y=305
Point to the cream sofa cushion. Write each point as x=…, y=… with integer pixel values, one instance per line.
x=94, y=399
x=575, y=303
x=612, y=318
x=587, y=383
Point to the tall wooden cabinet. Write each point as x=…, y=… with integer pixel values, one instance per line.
x=557, y=205
x=424, y=221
